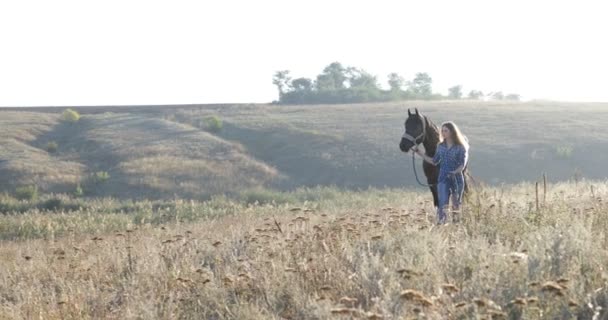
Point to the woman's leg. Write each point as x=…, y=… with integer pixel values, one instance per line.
x=443, y=192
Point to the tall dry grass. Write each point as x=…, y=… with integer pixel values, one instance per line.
x=369, y=255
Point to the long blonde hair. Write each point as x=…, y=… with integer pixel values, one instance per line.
x=457, y=135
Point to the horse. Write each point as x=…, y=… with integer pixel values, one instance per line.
x=419, y=129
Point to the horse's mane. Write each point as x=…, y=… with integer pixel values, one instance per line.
x=432, y=138
x=432, y=125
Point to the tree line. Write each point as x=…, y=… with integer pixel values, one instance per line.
x=345, y=84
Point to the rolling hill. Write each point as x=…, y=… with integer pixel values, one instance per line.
x=123, y=155
x=160, y=152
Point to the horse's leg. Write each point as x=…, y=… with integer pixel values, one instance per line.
x=432, y=174
x=435, y=195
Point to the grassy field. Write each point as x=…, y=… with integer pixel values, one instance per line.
x=298, y=212
x=162, y=152
x=311, y=254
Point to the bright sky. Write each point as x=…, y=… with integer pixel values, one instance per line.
x=101, y=52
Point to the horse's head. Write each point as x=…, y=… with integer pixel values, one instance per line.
x=415, y=130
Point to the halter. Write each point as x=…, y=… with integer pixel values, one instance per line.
x=422, y=135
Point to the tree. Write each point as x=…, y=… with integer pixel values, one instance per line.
x=302, y=91
x=332, y=78
x=421, y=86
x=281, y=79
x=475, y=94
x=395, y=81
x=301, y=84
x=455, y=92
x=513, y=97
x=498, y=95
x=339, y=83
x=358, y=78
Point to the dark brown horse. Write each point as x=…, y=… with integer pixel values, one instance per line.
x=419, y=129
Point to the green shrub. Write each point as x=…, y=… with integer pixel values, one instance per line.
x=265, y=196
x=26, y=192
x=70, y=115
x=100, y=176
x=211, y=124
x=51, y=147
x=78, y=192
x=564, y=151
x=316, y=194
x=9, y=204
x=52, y=204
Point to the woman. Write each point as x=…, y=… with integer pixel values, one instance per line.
x=451, y=156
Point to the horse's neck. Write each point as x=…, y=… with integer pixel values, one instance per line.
x=431, y=139
x=430, y=146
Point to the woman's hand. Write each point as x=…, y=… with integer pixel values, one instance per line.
x=423, y=155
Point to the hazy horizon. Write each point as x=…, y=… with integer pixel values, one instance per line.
x=67, y=53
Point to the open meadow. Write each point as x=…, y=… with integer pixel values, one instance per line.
x=313, y=254
x=299, y=212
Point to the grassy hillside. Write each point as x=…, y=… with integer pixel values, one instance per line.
x=124, y=155
x=328, y=254
x=357, y=145
x=160, y=151
x=24, y=161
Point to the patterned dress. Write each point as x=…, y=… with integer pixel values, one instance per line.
x=449, y=159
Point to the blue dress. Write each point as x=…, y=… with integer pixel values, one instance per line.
x=449, y=159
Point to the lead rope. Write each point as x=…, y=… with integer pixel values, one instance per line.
x=416, y=173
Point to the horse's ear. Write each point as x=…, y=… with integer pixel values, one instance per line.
x=409, y=112
x=417, y=113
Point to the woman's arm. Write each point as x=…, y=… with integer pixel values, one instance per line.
x=458, y=170
x=462, y=161
x=424, y=156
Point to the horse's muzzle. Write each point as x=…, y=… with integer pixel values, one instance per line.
x=405, y=145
